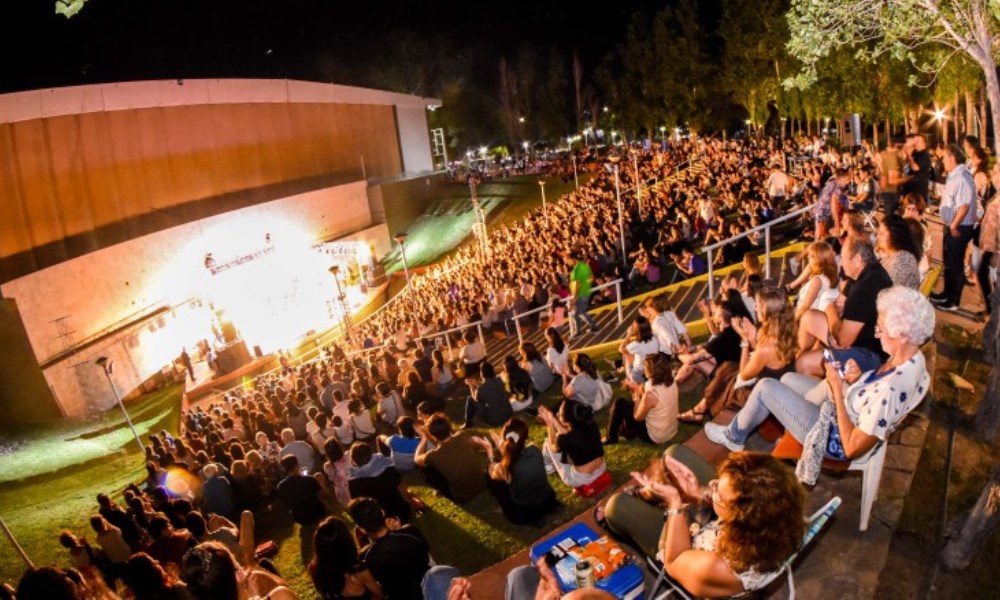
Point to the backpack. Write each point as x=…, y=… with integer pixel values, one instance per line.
x=604, y=393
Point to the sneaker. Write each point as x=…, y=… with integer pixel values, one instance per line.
x=948, y=306
x=595, y=329
x=720, y=435
x=938, y=298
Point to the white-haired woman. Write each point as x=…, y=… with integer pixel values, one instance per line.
x=869, y=406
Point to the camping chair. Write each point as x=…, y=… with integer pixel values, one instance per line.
x=815, y=523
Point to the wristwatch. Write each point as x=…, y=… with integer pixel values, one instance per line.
x=671, y=512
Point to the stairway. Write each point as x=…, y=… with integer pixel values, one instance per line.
x=683, y=296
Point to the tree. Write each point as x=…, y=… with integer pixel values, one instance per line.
x=899, y=28
x=68, y=8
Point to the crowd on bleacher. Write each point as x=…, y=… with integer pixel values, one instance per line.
x=839, y=368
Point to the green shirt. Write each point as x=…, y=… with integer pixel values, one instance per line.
x=582, y=275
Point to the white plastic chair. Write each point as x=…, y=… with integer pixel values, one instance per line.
x=816, y=522
x=870, y=466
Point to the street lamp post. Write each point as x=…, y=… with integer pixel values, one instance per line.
x=346, y=316
x=576, y=178
x=107, y=365
x=663, y=137
x=614, y=158
x=401, y=240
x=638, y=192
x=545, y=210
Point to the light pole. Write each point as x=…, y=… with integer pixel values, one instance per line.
x=527, y=156
x=401, y=240
x=107, y=365
x=576, y=178
x=663, y=137
x=346, y=316
x=635, y=164
x=545, y=209
x=614, y=158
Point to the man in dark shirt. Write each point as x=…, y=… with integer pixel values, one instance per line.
x=723, y=346
x=374, y=476
x=918, y=166
x=488, y=400
x=397, y=556
x=847, y=326
x=422, y=363
x=301, y=493
x=455, y=466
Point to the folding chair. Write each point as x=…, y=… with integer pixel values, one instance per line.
x=816, y=522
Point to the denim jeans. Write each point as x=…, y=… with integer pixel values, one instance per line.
x=437, y=582
x=772, y=397
x=580, y=310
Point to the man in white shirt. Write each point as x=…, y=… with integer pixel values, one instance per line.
x=777, y=185
x=958, y=212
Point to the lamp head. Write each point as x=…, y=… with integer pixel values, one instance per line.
x=105, y=363
x=334, y=270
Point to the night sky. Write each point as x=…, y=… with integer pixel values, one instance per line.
x=119, y=40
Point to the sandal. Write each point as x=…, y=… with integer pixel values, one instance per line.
x=695, y=417
x=600, y=518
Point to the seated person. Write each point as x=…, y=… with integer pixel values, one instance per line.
x=638, y=343
x=516, y=474
x=668, y=329
x=488, y=399
x=302, y=451
x=651, y=413
x=723, y=346
x=472, y=354
x=397, y=556
x=765, y=352
x=847, y=327
x=519, y=384
x=541, y=375
x=374, y=476
x=416, y=392
x=758, y=522
x=401, y=446
x=573, y=446
x=302, y=494
x=868, y=408
x=581, y=385
x=455, y=465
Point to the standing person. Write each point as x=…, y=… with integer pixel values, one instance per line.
x=186, y=361
x=918, y=166
x=890, y=176
x=581, y=280
x=777, y=184
x=958, y=212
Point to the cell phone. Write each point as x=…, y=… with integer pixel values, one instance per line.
x=830, y=358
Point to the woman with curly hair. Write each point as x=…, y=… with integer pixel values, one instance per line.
x=767, y=351
x=211, y=573
x=898, y=252
x=335, y=569
x=758, y=522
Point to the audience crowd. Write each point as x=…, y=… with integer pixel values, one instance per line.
x=839, y=367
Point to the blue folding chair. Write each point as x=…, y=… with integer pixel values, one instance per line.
x=816, y=522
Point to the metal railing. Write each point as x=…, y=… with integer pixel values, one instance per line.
x=766, y=228
x=618, y=300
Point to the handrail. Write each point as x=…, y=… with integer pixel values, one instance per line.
x=618, y=300
x=766, y=227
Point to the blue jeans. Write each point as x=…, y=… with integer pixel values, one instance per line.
x=437, y=582
x=785, y=400
x=580, y=310
x=866, y=359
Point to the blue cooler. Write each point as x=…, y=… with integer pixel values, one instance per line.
x=626, y=583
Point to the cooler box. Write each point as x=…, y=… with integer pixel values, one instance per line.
x=625, y=583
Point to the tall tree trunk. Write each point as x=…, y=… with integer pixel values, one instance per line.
x=993, y=92
x=970, y=114
x=986, y=423
x=875, y=136
x=958, y=132
x=981, y=129
x=976, y=528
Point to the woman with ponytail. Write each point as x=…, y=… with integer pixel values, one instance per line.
x=516, y=474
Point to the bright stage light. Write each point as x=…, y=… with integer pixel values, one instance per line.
x=939, y=114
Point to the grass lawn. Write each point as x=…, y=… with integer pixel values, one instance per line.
x=448, y=223
x=51, y=480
